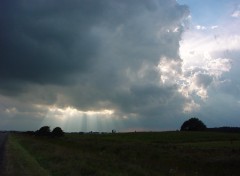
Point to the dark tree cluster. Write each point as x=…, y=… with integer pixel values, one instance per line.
x=45, y=131
x=193, y=124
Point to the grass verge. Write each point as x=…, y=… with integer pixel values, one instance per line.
x=19, y=162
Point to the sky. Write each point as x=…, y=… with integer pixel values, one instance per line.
x=129, y=65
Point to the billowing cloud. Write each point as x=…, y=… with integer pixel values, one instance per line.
x=97, y=65
x=206, y=58
x=210, y=61
x=65, y=61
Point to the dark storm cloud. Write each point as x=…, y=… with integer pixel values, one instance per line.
x=146, y=100
x=40, y=46
x=45, y=41
x=91, y=54
x=203, y=80
x=42, y=42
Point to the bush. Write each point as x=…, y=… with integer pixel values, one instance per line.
x=57, y=132
x=43, y=131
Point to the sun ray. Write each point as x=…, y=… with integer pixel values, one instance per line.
x=72, y=119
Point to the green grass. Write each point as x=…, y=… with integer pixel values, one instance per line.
x=165, y=153
x=20, y=162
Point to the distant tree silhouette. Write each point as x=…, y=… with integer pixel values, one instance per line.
x=225, y=129
x=43, y=131
x=193, y=124
x=57, y=132
x=29, y=132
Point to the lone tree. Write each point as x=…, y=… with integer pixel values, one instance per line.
x=193, y=124
x=57, y=132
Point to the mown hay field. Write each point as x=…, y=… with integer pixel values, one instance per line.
x=125, y=154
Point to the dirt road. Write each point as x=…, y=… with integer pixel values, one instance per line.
x=3, y=138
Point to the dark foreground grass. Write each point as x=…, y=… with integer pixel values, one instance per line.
x=165, y=153
x=20, y=162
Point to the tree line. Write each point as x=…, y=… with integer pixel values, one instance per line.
x=45, y=131
x=194, y=124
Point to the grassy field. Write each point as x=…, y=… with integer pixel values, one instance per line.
x=126, y=154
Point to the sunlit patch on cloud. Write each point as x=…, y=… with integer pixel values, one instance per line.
x=171, y=75
x=70, y=111
x=217, y=67
x=170, y=71
x=11, y=111
x=191, y=106
x=236, y=14
x=214, y=27
x=205, y=28
x=198, y=27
